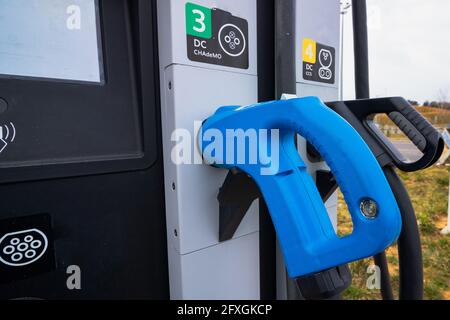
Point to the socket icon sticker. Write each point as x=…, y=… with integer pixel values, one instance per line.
x=215, y=36
x=325, y=60
x=26, y=247
x=22, y=248
x=319, y=62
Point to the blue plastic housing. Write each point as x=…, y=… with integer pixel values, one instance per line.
x=305, y=232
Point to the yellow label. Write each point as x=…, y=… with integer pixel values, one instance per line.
x=309, y=50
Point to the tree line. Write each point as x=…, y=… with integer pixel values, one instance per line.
x=432, y=104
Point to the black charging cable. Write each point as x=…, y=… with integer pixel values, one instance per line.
x=409, y=246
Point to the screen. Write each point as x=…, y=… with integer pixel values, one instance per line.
x=55, y=39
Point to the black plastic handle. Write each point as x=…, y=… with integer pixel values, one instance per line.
x=409, y=129
x=360, y=114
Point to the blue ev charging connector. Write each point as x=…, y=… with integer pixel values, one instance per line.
x=305, y=232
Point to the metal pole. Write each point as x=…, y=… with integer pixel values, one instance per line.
x=443, y=160
x=341, y=86
x=285, y=76
x=362, y=89
x=446, y=230
x=345, y=6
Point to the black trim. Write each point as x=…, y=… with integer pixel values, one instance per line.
x=361, y=49
x=326, y=184
x=266, y=92
x=143, y=94
x=233, y=203
x=285, y=62
x=285, y=74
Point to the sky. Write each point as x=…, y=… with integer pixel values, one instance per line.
x=409, y=43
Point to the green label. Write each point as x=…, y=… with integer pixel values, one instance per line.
x=198, y=21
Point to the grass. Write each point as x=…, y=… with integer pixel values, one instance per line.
x=438, y=117
x=428, y=190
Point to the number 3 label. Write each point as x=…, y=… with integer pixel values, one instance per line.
x=198, y=21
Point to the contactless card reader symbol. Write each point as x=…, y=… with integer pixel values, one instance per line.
x=22, y=248
x=7, y=135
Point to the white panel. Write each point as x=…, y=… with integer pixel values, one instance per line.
x=196, y=217
x=199, y=266
x=225, y=272
x=319, y=20
x=327, y=94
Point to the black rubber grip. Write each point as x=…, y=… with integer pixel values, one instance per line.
x=409, y=130
x=416, y=121
x=423, y=135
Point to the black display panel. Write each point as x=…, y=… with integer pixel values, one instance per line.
x=85, y=216
x=59, y=128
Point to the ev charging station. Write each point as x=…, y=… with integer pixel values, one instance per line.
x=99, y=201
x=198, y=262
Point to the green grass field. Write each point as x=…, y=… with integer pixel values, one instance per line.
x=429, y=193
